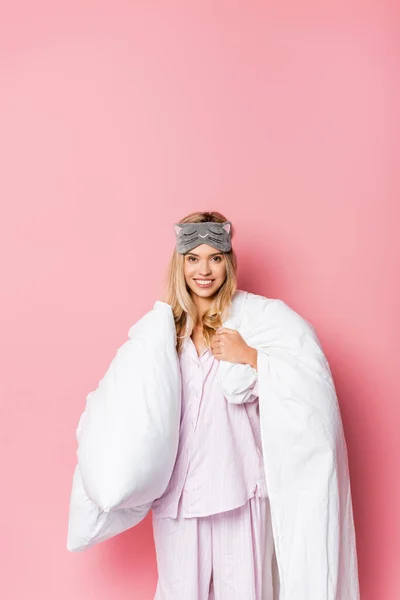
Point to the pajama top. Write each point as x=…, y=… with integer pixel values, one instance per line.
x=219, y=463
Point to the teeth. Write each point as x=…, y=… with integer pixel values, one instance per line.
x=204, y=281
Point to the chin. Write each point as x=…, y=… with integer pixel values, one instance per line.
x=205, y=293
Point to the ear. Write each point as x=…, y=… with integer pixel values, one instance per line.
x=227, y=227
x=177, y=229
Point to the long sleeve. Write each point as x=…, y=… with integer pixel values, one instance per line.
x=241, y=384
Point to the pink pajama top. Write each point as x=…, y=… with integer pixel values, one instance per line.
x=219, y=463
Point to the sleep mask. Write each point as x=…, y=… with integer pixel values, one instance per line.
x=190, y=235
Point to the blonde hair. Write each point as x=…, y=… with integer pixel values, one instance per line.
x=178, y=294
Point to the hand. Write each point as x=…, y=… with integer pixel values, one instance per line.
x=227, y=344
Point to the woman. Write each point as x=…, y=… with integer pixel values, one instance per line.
x=211, y=530
x=220, y=415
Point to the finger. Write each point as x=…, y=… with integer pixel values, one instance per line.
x=220, y=335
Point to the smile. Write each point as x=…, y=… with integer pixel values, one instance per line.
x=204, y=282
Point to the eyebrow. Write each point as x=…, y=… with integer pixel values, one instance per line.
x=194, y=254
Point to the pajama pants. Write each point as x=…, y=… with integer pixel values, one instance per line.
x=219, y=557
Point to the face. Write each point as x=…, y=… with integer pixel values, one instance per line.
x=204, y=264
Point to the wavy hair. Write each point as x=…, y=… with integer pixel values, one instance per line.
x=178, y=293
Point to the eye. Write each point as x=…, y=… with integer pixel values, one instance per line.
x=219, y=258
x=190, y=257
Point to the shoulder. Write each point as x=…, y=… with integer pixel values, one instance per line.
x=258, y=309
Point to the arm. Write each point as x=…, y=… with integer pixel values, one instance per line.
x=251, y=357
x=242, y=383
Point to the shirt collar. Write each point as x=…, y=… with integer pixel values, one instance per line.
x=190, y=348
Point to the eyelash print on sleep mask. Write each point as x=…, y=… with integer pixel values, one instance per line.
x=190, y=235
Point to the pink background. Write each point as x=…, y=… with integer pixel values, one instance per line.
x=118, y=118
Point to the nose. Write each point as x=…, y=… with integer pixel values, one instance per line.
x=205, y=269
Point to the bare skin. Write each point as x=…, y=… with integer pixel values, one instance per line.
x=205, y=262
x=198, y=339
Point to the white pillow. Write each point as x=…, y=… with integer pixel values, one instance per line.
x=128, y=434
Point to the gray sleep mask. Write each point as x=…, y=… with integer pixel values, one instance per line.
x=190, y=235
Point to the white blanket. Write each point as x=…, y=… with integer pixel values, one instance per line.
x=304, y=450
